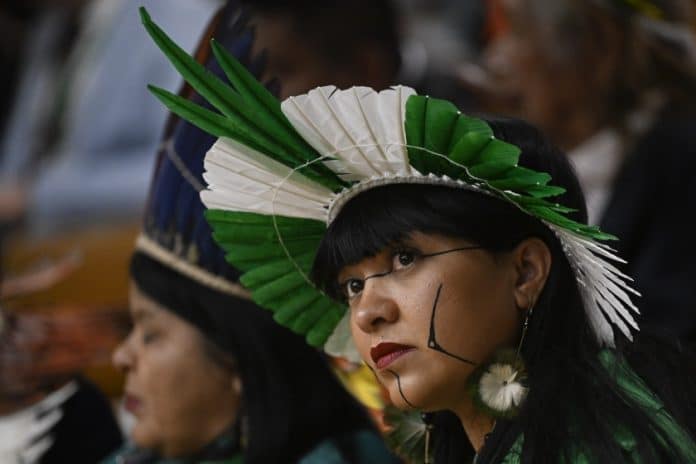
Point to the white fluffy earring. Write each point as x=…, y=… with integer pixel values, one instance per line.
x=500, y=386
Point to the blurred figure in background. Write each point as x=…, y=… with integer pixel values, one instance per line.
x=75, y=157
x=613, y=82
x=437, y=36
x=46, y=407
x=331, y=42
x=73, y=152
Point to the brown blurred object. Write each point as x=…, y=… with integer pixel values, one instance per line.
x=40, y=350
x=78, y=282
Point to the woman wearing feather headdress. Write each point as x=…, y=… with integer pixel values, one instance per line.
x=451, y=254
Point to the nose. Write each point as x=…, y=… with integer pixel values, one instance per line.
x=376, y=307
x=123, y=358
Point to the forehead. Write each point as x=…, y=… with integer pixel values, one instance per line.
x=142, y=307
x=419, y=242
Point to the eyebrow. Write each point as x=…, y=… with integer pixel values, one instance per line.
x=139, y=314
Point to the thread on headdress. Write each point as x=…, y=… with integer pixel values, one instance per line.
x=168, y=147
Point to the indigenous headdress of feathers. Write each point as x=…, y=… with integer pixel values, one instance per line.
x=280, y=173
x=175, y=232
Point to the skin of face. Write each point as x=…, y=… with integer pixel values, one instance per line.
x=181, y=399
x=481, y=305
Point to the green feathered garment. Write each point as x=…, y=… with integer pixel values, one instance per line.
x=635, y=389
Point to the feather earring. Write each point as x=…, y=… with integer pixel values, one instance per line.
x=500, y=386
x=409, y=435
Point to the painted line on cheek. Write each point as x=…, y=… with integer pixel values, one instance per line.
x=401, y=392
x=432, y=339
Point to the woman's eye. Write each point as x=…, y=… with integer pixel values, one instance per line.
x=352, y=287
x=403, y=258
x=149, y=337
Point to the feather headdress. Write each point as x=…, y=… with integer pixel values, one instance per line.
x=280, y=173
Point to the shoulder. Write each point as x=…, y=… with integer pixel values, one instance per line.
x=359, y=447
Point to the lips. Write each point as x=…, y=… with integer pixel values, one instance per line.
x=386, y=353
x=131, y=404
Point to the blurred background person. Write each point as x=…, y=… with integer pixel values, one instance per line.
x=75, y=160
x=46, y=407
x=311, y=44
x=72, y=147
x=613, y=82
x=437, y=37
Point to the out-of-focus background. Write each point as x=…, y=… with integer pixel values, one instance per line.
x=612, y=82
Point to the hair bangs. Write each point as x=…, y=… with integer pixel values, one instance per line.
x=386, y=215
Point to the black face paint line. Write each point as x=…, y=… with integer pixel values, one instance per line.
x=374, y=276
x=452, y=250
x=432, y=337
x=430, y=255
x=401, y=392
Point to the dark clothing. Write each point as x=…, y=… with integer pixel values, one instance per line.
x=359, y=447
x=651, y=211
x=87, y=432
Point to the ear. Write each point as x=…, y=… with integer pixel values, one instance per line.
x=532, y=261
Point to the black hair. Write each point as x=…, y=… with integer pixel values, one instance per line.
x=574, y=402
x=290, y=398
x=337, y=29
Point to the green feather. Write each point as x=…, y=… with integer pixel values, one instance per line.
x=441, y=118
x=415, y=128
x=248, y=256
x=468, y=147
x=252, y=246
x=275, y=269
x=498, y=151
x=258, y=101
x=293, y=308
x=438, y=126
x=247, y=85
x=278, y=289
x=322, y=329
x=304, y=321
x=545, y=191
x=253, y=123
x=466, y=125
x=489, y=170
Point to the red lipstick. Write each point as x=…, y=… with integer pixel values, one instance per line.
x=386, y=353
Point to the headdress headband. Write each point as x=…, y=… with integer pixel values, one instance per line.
x=278, y=174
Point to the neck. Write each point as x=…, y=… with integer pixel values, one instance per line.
x=476, y=424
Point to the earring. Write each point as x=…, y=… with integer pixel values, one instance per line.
x=409, y=434
x=427, y=454
x=500, y=386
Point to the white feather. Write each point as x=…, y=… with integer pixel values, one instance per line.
x=242, y=179
x=361, y=129
x=340, y=342
x=605, y=292
x=500, y=389
x=26, y=435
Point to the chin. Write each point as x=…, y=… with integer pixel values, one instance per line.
x=418, y=394
x=143, y=436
